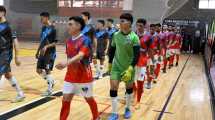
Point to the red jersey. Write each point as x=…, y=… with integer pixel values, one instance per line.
x=144, y=45
x=79, y=72
x=155, y=43
x=171, y=40
x=178, y=39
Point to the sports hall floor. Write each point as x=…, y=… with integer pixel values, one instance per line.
x=181, y=94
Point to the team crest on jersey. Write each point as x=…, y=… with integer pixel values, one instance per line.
x=85, y=89
x=128, y=39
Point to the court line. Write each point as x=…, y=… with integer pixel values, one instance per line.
x=172, y=90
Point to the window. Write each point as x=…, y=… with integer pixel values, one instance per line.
x=91, y=3
x=64, y=3
x=1, y=2
x=206, y=4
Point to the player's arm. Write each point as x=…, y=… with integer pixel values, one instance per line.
x=107, y=43
x=16, y=51
x=112, y=50
x=136, y=51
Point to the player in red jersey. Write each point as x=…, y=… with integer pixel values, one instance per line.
x=78, y=79
x=155, y=48
x=161, y=44
x=165, y=57
x=141, y=67
x=171, y=45
x=177, y=45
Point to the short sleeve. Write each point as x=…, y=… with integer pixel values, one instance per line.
x=136, y=41
x=113, y=43
x=85, y=48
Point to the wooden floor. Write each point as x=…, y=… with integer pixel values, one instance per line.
x=190, y=99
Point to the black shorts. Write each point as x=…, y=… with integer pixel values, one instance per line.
x=45, y=63
x=100, y=55
x=6, y=58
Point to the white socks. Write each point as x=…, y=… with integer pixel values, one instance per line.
x=128, y=100
x=114, y=101
x=50, y=82
x=15, y=84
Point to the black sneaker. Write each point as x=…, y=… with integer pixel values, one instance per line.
x=176, y=64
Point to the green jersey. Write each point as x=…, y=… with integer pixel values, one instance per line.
x=124, y=52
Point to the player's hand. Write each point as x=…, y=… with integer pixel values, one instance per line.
x=17, y=61
x=127, y=75
x=43, y=51
x=37, y=55
x=61, y=65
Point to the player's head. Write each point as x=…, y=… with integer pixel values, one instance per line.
x=170, y=28
x=140, y=24
x=109, y=22
x=75, y=25
x=152, y=28
x=165, y=27
x=158, y=27
x=100, y=24
x=44, y=17
x=126, y=20
x=2, y=11
x=86, y=16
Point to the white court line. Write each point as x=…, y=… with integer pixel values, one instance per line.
x=26, y=104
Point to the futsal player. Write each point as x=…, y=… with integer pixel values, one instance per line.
x=124, y=54
x=8, y=43
x=46, y=52
x=78, y=78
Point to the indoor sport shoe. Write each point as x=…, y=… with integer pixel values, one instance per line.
x=176, y=64
x=148, y=85
x=19, y=98
x=113, y=116
x=47, y=93
x=127, y=113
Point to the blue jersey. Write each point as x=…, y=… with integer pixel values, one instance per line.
x=6, y=37
x=48, y=36
x=111, y=31
x=101, y=36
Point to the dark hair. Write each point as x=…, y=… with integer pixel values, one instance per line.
x=127, y=16
x=142, y=21
x=3, y=9
x=110, y=20
x=45, y=14
x=79, y=20
x=152, y=25
x=158, y=25
x=101, y=21
x=86, y=14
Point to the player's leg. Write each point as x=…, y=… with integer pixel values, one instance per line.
x=177, y=56
x=97, y=66
x=102, y=60
x=114, y=85
x=129, y=97
x=68, y=93
x=140, y=83
x=87, y=93
x=20, y=95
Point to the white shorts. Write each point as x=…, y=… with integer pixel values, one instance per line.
x=175, y=51
x=140, y=73
x=82, y=89
x=155, y=60
x=168, y=53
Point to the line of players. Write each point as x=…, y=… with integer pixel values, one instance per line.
x=134, y=57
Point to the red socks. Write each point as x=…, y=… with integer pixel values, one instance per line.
x=171, y=60
x=139, y=90
x=93, y=107
x=157, y=70
x=65, y=109
x=135, y=89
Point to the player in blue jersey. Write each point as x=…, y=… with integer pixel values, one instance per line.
x=8, y=42
x=46, y=52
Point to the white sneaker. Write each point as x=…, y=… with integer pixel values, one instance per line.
x=100, y=75
x=148, y=86
x=97, y=75
x=47, y=93
x=19, y=98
